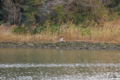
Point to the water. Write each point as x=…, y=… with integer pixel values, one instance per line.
x=51, y=64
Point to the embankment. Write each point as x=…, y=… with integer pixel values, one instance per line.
x=62, y=45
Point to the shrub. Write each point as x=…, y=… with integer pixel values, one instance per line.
x=23, y=30
x=71, y=13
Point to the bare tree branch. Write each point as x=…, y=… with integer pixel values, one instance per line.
x=13, y=9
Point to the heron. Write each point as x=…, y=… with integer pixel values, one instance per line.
x=61, y=39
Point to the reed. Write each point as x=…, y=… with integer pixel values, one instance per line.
x=108, y=33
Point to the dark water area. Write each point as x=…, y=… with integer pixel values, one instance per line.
x=56, y=64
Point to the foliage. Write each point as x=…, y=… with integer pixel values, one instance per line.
x=23, y=30
x=71, y=13
x=59, y=14
x=85, y=31
x=38, y=12
x=32, y=9
x=46, y=27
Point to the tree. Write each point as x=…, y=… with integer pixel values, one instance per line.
x=13, y=9
x=33, y=8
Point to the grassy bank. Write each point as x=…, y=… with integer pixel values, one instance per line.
x=108, y=33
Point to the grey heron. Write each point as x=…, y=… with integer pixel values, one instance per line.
x=61, y=39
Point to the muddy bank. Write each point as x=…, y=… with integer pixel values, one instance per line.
x=62, y=45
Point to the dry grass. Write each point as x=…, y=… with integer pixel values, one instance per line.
x=109, y=33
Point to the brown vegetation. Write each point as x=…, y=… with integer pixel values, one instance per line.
x=109, y=33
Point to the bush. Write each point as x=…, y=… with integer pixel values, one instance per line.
x=23, y=30
x=71, y=13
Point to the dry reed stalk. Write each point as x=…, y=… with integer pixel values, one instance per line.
x=109, y=33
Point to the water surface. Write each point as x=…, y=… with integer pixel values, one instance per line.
x=52, y=64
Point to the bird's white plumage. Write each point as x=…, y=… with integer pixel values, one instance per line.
x=61, y=39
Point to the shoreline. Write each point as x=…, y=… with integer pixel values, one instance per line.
x=63, y=45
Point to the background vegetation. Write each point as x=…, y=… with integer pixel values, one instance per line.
x=49, y=20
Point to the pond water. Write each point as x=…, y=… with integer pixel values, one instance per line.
x=56, y=64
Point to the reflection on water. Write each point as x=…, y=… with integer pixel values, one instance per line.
x=46, y=64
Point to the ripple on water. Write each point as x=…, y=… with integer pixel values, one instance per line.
x=58, y=65
x=86, y=71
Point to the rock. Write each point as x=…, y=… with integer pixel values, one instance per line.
x=57, y=47
x=30, y=44
x=62, y=45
